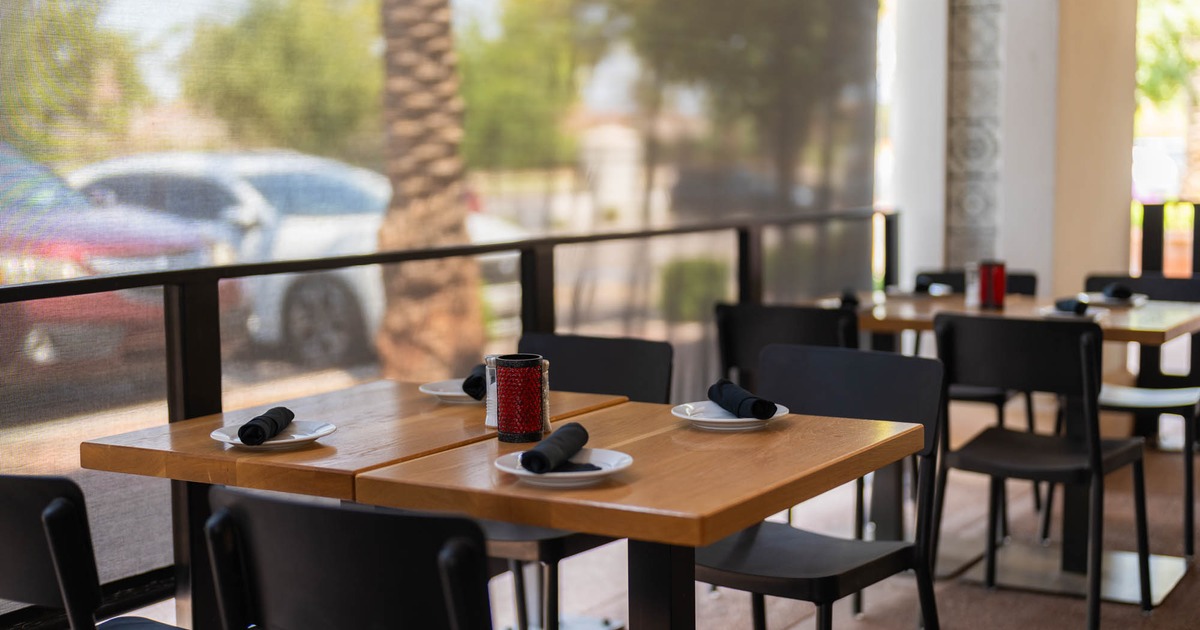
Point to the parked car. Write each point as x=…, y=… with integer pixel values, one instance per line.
x=281, y=205
x=49, y=231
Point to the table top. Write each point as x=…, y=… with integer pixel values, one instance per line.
x=1154, y=322
x=378, y=423
x=685, y=487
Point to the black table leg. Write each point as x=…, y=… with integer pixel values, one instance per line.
x=662, y=589
x=887, y=487
x=195, y=594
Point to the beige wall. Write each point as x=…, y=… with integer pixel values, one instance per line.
x=1093, y=137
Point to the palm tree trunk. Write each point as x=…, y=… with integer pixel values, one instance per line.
x=433, y=323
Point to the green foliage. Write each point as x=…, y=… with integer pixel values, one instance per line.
x=1168, y=49
x=519, y=84
x=690, y=287
x=66, y=83
x=300, y=74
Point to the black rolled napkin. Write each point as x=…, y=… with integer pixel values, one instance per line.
x=262, y=428
x=740, y=402
x=849, y=300
x=475, y=385
x=1071, y=305
x=923, y=283
x=1117, y=291
x=552, y=453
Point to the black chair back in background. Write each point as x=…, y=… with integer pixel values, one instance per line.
x=291, y=564
x=46, y=555
x=1016, y=282
x=743, y=330
x=780, y=560
x=636, y=368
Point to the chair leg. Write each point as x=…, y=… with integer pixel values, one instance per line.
x=518, y=572
x=825, y=616
x=1003, y=511
x=1047, y=513
x=856, y=601
x=995, y=501
x=1143, y=541
x=550, y=597
x=929, y=613
x=1095, y=546
x=1029, y=422
x=939, y=500
x=758, y=610
x=1189, y=487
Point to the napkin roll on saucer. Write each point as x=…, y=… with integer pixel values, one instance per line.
x=1117, y=291
x=740, y=402
x=1071, y=305
x=475, y=385
x=552, y=453
x=849, y=300
x=262, y=428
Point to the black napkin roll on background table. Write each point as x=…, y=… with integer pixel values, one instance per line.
x=262, y=428
x=849, y=300
x=1071, y=305
x=552, y=453
x=740, y=402
x=475, y=385
x=1117, y=291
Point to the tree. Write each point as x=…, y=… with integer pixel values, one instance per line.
x=301, y=74
x=68, y=85
x=519, y=85
x=1168, y=50
x=433, y=326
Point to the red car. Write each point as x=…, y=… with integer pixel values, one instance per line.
x=49, y=231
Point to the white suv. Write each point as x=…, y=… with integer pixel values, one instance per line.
x=278, y=205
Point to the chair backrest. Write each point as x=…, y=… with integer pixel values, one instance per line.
x=743, y=330
x=1157, y=287
x=1060, y=357
x=289, y=564
x=47, y=557
x=636, y=368
x=1016, y=282
x=850, y=383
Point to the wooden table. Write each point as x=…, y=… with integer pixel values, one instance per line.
x=686, y=488
x=1151, y=323
x=378, y=423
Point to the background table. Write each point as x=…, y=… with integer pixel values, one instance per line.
x=686, y=488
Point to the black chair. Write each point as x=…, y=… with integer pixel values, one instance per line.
x=779, y=560
x=1016, y=283
x=288, y=564
x=636, y=368
x=743, y=330
x=1174, y=394
x=1061, y=357
x=48, y=556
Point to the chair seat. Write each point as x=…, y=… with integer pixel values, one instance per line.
x=780, y=560
x=134, y=623
x=1125, y=397
x=976, y=393
x=1043, y=457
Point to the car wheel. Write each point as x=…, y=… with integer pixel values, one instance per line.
x=322, y=324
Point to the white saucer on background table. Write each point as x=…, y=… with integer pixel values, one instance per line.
x=449, y=391
x=1137, y=299
x=296, y=433
x=710, y=416
x=609, y=462
x=1091, y=314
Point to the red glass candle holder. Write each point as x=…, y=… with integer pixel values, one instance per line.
x=992, y=284
x=520, y=407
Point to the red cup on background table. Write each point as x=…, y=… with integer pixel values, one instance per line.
x=992, y=284
x=520, y=398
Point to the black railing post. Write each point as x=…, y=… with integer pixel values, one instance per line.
x=891, y=249
x=750, y=264
x=193, y=335
x=1152, y=238
x=1195, y=239
x=537, y=288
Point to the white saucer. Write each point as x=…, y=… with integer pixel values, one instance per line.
x=1092, y=314
x=449, y=391
x=1137, y=299
x=708, y=415
x=610, y=463
x=297, y=433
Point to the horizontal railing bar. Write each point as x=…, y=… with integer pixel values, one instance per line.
x=117, y=282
